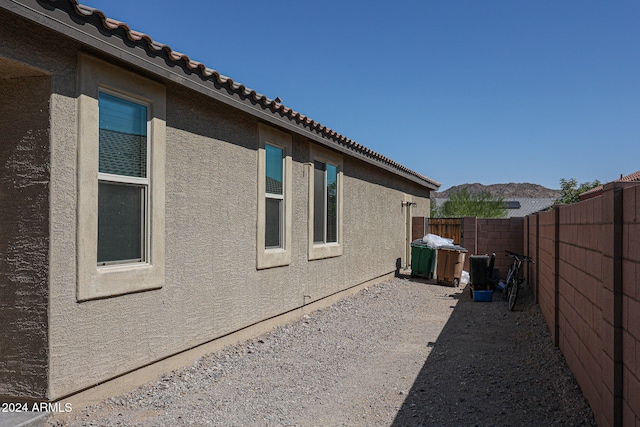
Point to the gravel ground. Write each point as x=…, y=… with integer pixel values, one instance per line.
x=403, y=353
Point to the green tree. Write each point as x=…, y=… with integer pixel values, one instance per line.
x=462, y=203
x=571, y=190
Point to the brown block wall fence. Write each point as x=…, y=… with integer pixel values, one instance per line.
x=586, y=280
x=418, y=228
x=483, y=236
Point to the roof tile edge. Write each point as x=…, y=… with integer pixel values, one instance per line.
x=113, y=25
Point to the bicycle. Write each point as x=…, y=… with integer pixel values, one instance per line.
x=513, y=278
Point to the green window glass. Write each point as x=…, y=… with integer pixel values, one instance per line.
x=274, y=203
x=120, y=221
x=318, y=202
x=123, y=137
x=325, y=202
x=332, y=203
x=123, y=182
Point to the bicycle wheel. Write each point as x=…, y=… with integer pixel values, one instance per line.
x=513, y=295
x=507, y=284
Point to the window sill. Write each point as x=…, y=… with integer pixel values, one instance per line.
x=322, y=251
x=270, y=258
x=114, y=280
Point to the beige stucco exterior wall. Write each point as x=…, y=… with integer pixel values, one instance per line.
x=24, y=230
x=211, y=286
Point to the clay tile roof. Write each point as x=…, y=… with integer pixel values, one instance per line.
x=591, y=190
x=633, y=177
x=630, y=178
x=89, y=14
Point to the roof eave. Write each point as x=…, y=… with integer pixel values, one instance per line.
x=161, y=61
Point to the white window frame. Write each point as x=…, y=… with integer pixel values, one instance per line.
x=277, y=197
x=281, y=256
x=124, y=179
x=320, y=250
x=117, y=278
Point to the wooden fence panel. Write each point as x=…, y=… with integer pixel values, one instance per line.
x=450, y=228
x=417, y=227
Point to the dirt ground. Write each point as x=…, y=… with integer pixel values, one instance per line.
x=403, y=353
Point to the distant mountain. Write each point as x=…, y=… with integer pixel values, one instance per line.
x=507, y=191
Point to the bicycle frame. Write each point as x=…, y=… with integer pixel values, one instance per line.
x=513, y=278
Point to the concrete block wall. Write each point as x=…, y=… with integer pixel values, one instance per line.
x=418, y=228
x=580, y=306
x=631, y=306
x=530, y=272
x=586, y=279
x=487, y=235
x=545, y=268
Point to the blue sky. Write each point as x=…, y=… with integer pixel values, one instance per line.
x=489, y=91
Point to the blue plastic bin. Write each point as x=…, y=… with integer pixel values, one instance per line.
x=483, y=296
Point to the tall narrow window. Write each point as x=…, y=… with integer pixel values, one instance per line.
x=123, y=183
x=325, y=204
x=274, y=208
x=274, y=197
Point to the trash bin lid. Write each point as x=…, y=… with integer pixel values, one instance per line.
x=419, y=243
x=453, y=248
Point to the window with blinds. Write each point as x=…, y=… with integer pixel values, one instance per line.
x=274, y=196
x=325, y=204
x=123, y=184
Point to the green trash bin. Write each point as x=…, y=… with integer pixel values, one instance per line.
x=422, y=260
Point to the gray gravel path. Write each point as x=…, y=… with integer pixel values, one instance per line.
x=403, y=353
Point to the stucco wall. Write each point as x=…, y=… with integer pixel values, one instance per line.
x=24, y=230
x=212, y=286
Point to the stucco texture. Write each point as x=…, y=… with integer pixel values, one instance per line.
x=212, y=286
x=24, y=234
